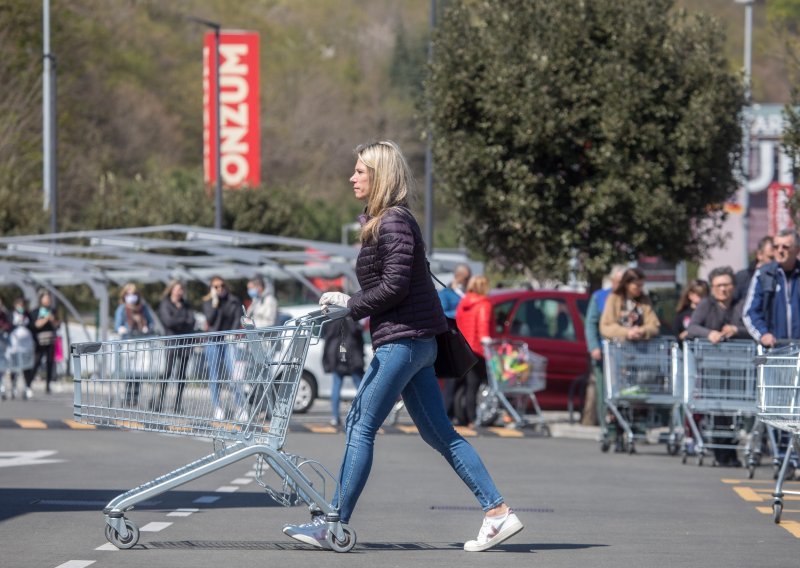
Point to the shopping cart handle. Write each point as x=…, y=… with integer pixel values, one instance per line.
x=324, y=314
x=82, y=348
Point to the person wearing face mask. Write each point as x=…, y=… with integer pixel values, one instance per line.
x=44, y=325
x=223, y=312
x=263, y=308
x=132, y=319
x=22, y=322
x=177, y=317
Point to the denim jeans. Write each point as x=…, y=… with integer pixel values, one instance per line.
x=219, y=358
x=336, y=391
x=405, y=367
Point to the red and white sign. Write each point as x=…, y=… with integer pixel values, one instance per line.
x=239, y=111
x=779, y=217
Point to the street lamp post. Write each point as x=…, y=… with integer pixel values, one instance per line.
x=217, y=126
x=748, y=54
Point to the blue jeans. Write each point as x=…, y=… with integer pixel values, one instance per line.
x=219, y=359
x=337, y=391
x=405, y=367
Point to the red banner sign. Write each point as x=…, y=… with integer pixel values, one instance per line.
x=240, y=145
x=780, y=218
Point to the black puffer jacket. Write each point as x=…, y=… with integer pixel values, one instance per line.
x=397, y=292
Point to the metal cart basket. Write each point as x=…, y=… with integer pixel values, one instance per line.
x=643, y=390
x=240, y=392
x=515, y=372
x=779, y=407
x=719, y=387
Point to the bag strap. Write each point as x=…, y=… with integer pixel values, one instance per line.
x=428, y=262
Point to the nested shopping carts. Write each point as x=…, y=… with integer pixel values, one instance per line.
x=779, y=407
x=642, y=391
x=719, y=397
x=239, y=391
x=514, y=373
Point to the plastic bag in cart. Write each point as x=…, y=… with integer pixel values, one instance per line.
x=510, y=366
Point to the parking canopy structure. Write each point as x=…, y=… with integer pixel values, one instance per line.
x=104, y=258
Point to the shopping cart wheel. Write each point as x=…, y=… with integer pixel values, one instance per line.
x=347, y=544
x=605, y=445
x=751, y=470
x=777, y=509
x=130, y=541
x=673, y=448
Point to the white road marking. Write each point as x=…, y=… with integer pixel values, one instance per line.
x=206, y=499
x=154, y=527
x=36, y=457
x=251, y=473
x=107, y=546
x=227, y=489
x=242, y=481
x=76, y=564
x=182, y=512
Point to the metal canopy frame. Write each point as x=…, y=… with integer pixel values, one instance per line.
x=99, y=259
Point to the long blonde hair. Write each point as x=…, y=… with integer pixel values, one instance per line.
x=390, y=182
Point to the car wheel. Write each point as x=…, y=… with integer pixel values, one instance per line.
x=306, y=393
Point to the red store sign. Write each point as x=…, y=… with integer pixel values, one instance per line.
x=239, y=111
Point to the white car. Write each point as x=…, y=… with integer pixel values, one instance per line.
x=315, y=382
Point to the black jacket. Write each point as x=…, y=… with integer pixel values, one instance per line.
x=348, y=333
x=176, y=320
x=227, y=315
x=397, y=292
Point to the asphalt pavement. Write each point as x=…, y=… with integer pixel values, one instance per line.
x=580, y=507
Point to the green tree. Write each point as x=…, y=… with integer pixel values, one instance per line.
x=608, y=128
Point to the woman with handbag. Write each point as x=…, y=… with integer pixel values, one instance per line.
x=398, y=295
x=474, y=317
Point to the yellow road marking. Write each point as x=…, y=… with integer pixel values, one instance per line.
x=768, y=510
x=31, y=423
x=321, y=429
x=754, y=481
x=748, y=494
x=79, y=426
x=506, y=432
x=466, y=432
x=407, y=429
x=792, y=526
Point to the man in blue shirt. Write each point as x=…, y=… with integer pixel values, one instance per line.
x=451, y=296
x=592, y=332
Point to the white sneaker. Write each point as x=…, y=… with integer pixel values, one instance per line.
x=219, y=413
x=314, y=533
x=28, y=394
x=494, y=531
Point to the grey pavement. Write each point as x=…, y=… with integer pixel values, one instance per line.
x=580, y=507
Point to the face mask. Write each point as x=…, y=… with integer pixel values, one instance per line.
x=20, y=310
x=252, y=292
x=131, y=298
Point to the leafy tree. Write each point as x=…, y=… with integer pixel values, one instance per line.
x=608, y=128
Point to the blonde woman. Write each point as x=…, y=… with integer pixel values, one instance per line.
x=398, y=296
x=474, y=319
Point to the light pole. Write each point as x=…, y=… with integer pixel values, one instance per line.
x=748, y=54
x=429, y=149
x=217, y=126
x=49, y=149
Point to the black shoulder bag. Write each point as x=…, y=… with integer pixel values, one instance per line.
x=455, y=357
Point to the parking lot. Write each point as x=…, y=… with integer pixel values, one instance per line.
x=580, y=506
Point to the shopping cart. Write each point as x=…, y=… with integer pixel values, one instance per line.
x=515, y=373
x=719, y=396
x=779, y=407
x=642, y=391
x=17, y=353
x=241, y=397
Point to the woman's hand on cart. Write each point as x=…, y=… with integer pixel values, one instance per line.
x=334, y=299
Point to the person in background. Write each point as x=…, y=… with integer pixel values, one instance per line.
x=692, y=293
x=132, y=319
x=628, y=314
x=774, y=294
x=717, y=318
x=765, y=252
x=343, y=355
x=5, y=326
x=44, y=326
x=450, y=297
x=177, y=317
x=223, y=311
x=399, y=297
x=21, y=320
x=474, y=320
x=593, y=341
x=263, y=308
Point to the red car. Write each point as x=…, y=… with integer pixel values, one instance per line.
x=551, y=323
